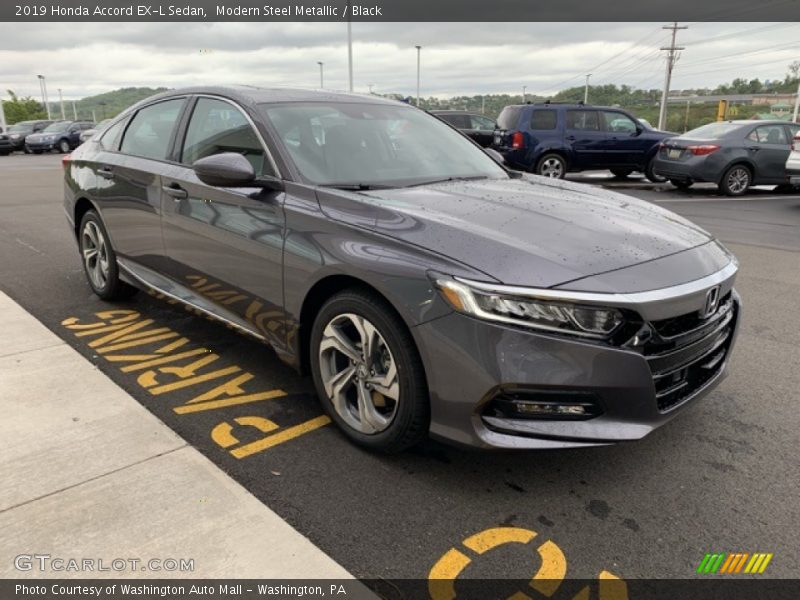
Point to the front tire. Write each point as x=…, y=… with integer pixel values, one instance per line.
x=63, y=146
x=736, y=181
x=552, y=165
x=652, y=176
x=368, y=373
x=100, y=261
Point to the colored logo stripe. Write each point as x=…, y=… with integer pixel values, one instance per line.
x=734, y=562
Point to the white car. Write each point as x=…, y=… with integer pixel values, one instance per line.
x=793, y=162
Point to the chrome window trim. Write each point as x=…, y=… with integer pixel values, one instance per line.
x=613, y=299
x=241, y=109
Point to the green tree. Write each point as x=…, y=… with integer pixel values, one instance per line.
x=22, y=109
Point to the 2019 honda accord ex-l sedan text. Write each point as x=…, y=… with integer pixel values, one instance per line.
x=426, y=288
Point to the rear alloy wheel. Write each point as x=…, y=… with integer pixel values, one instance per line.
x=552, y=165
x=649, y=172
x=735, y=181
x=621, y=173
x=681, y=184
x=99, y=260
x=368, y=373
x=63, y=146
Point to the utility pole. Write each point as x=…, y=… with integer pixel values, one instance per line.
x=483, y=105
x=672, y=57
x=586, y=89
x=419, y=51
x=320, y=63
x=43, y=89
x=796, y=103
x=524, y=93
x=74, y=111
x=349, y=50
x=686, y=119
x=61, y=100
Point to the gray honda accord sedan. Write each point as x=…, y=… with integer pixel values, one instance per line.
x=427, y=289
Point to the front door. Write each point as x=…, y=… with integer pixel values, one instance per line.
x=588, y=141
x=226, y=244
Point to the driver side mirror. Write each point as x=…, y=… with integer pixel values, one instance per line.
x=230, y=169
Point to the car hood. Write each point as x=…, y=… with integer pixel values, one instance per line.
x=531, y=231
x=36, y=137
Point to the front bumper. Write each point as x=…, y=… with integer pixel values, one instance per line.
x=471, y=363
x=40, y=146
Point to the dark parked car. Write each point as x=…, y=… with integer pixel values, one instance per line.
x=732, y=154
x=426, y=288
x=14, y=138
x=553, y=139
x=60, y=135
x=479, y=127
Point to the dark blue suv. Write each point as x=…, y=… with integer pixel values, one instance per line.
x=552, y=139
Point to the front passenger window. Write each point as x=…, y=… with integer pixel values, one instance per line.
x=150, y=131
x=217, y=126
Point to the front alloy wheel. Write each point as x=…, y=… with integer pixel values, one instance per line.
x=368, y=373
x=63, y=146
x=359, y=373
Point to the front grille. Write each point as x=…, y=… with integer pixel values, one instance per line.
x=686, y=352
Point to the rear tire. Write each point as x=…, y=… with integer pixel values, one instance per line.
x=681, y=184
x=552, y=165
x=378, y=397
x=621, y=173
x=100, y=261
x=650, y=173
x=736, y=181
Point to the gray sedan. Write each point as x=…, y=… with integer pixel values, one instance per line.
x=732, y=154
x=425, y=288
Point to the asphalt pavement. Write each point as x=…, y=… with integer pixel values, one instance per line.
x=721, y=477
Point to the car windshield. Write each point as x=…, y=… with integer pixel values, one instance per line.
x=364, y=145
x=56, y=127
x=20, y=128
x=711, y=131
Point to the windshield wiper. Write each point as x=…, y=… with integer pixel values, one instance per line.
x=359, y=187
x=446, y=179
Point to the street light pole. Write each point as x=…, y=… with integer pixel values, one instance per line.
x=796, y=103
x=586, y=89
x=43, y=88
x=349, y=50
x=524, y=93
x=61, y=100
x=419, y=50
x=320, y=63
x=74, y=111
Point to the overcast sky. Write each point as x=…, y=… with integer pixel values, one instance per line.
x=457, y=58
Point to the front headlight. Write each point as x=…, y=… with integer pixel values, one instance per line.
x=525, y=311
x=14, y=136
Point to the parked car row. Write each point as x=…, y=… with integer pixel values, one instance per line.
x=426, y=288
x=43, y=136
x=553, y=139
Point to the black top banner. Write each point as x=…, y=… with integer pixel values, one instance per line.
x=400, y=10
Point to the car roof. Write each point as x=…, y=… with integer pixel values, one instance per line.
x=565, y=105
x=451, y=111
x=251, y=95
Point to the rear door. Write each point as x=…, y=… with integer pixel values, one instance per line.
x=590, y=144
x=768, y=146
x=129, y=172
x=225, y=244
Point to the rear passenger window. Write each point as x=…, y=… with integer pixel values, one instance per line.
x=150, y=130
x=543, y=119
x=482, y=123
x=217, y=126
x=582, y=120
x=110, y=139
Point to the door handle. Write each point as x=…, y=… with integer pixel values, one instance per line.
x=105, y=172
x=175, y=191
x=753, y=148
x=571, y=138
